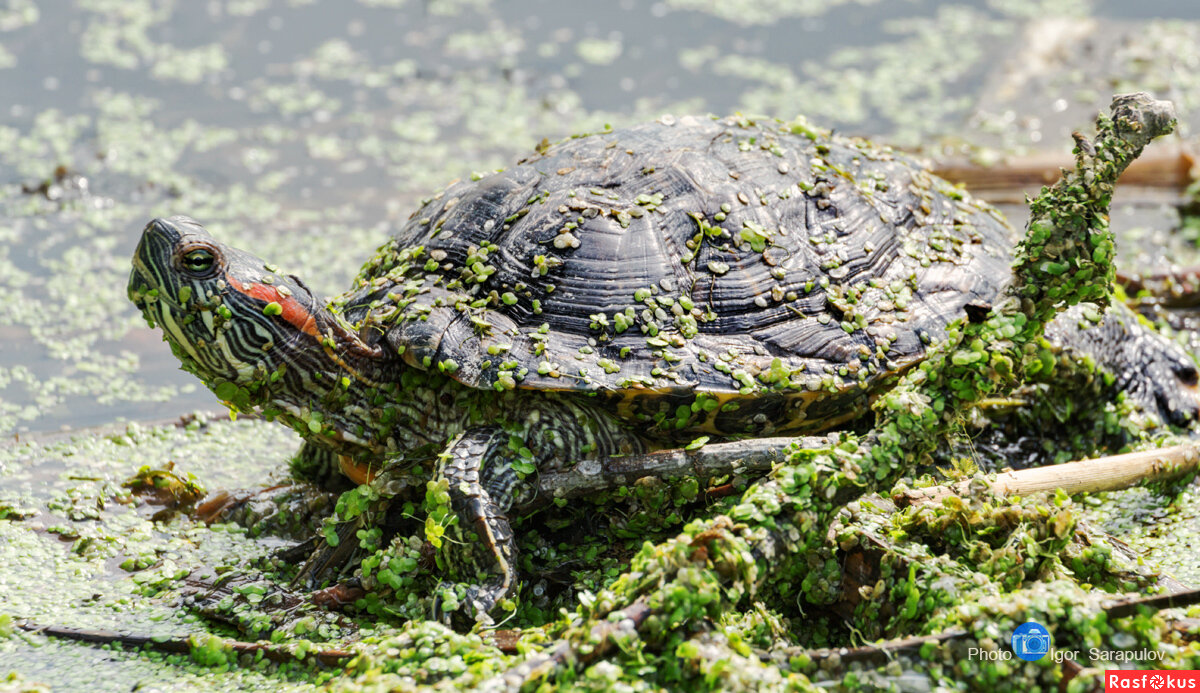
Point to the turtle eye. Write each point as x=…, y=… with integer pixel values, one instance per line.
x=198, y=261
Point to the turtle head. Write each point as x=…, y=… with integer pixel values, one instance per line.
x=252, y=334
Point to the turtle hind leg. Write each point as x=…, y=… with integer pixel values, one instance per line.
x=1154, y=372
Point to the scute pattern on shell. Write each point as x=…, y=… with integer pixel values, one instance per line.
x=766, y=276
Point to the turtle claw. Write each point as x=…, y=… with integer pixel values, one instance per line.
x=475, y=606
x=480, y=600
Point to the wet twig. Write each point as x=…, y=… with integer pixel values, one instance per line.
x=183, y=645
x=1085, y=476
x=1131, y=607
x=754, y=457
x=878, y=654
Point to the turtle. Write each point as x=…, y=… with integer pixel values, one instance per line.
x=614, y=294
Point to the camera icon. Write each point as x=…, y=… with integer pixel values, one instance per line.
x=1031, y=641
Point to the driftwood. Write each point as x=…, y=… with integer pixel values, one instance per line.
x=752, y=456
x=182, y=645
x=1131, y=607
x=1173, y=288
x=1085, y=476
x=1162, y=166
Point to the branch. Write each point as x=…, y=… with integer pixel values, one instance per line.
x=1131, y=607
x=1173, y=288
x=600, y=638
x=182, y=645
x=753, y=456
x=1166, y=166
x=876, y=655
x=1085, y=476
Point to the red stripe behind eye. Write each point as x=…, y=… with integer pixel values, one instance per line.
x=293, y=311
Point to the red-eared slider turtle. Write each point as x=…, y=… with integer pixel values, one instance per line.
x=616, y=293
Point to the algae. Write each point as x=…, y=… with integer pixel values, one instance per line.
x=141, y=109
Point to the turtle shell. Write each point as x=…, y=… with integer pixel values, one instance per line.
x=697, y=274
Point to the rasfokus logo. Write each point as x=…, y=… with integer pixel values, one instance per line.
x=1030, y=641
x=1151, y=680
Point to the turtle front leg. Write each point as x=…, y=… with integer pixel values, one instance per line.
x=321, y=466
x=483, y=484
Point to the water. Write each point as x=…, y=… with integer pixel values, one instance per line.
x=305, y=130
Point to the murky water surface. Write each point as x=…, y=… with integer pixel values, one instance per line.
x=307, y=129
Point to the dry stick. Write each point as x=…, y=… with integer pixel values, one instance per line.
x=1089, y=476
x=178, y=645
x=1085, y=476
x=1173, y=288
x=1163, y=166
